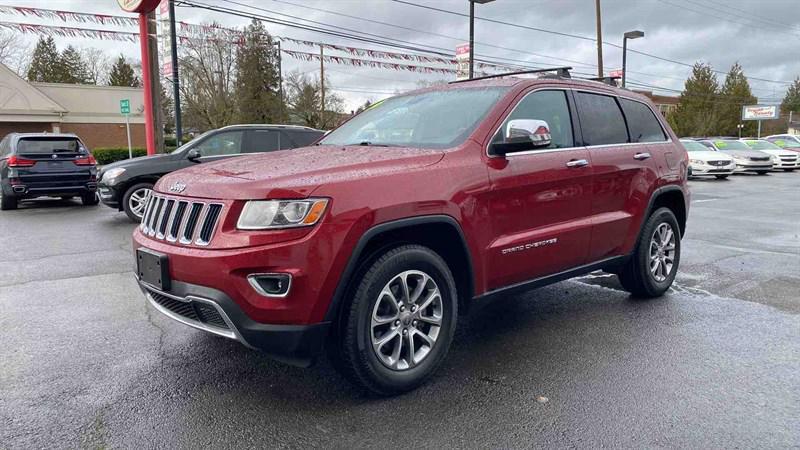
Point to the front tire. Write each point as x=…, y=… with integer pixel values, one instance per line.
x=788, y=170
x=762, y=172
x=721, y=177
x=135, y=200
x=400, y=323
x=654, y=264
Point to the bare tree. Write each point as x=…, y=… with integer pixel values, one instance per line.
x=97, y=64
x=303, y=98
x=208, y=78
x=14, y=52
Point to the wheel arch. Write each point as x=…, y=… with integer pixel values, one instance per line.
x=440, y=233
x=673, y=198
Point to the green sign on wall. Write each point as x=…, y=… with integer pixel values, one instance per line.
x=125, y=106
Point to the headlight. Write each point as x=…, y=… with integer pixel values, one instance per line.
x=696, y=161
x=110, y=176
x=272, y=214
x=775, y=159
x=740, y=158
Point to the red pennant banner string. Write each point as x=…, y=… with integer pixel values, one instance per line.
x=357, y=62
x=71, y=16
x=48, y=30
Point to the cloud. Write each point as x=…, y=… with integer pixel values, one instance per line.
x=720, y=32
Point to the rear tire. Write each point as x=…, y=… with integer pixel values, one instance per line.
x=721, y=177
x=400, y=323
x=135, y=199
x=7, y=203
x=654, y=263
x=90, y=199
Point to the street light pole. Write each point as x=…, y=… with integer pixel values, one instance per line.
x=636, y=34
x=472, y=33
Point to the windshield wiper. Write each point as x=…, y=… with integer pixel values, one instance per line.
x=370, y=144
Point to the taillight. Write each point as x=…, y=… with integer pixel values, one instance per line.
x=88, y=161
x=16, y=161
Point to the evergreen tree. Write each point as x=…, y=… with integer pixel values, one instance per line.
x=791, y=101
x=45, y=62
x=258, y=81
x=697, y=111
x=71, y=67
x=122, y=74
x=735, y=93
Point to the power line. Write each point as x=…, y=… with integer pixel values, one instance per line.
x=527, y=52
x=768, y=19
x=727, y=19
x=558, y=33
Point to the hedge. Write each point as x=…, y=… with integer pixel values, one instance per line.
x=109, y=155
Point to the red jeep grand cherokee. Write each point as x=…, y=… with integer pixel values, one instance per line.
x=371, y=242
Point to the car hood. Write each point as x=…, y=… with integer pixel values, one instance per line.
x=746, y=153
x=709, y=156
x=136, y=162
x=293, y=173
x=779, y=153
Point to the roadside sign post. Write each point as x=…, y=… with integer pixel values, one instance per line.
x=125, y=109
x=759, y=113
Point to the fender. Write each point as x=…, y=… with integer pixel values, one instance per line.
x=352, y=263
x=656, y=193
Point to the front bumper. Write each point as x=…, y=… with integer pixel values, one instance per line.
x=109, y=195
x=709, y=170
x=212, y=311
x=752, y=166
x=784, y=165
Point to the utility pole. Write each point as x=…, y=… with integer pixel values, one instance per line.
x=321, y=86
x=471, y=38
x=280, y=81
x=599, y=41
x=176, y=92
x=155, y=83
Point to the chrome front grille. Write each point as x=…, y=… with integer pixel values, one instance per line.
x=760, y=158
x=718, y=163
x=183, y=221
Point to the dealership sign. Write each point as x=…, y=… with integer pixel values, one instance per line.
x=138, y=6
x=462, y=62
x=760, y=112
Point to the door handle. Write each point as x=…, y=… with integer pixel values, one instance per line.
x=577, y=163
x=641, y=156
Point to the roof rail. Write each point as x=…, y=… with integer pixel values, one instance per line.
x=611, y=81
x=561, y=72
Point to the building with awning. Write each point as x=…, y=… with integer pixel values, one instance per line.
x=92, y=112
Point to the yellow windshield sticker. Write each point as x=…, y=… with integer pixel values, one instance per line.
x=721, y=144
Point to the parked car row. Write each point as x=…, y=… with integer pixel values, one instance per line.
x=34, y=165
x=723, y=156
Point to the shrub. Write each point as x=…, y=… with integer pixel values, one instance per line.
x=108, y=155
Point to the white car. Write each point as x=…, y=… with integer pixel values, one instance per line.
x=706, y=162
x=781, y=159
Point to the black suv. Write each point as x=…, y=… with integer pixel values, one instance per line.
x=45, y=164
x=126, y=185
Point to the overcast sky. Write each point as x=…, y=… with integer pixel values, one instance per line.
x=762, y=35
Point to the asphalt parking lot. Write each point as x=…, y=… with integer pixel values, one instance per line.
x=715, y=363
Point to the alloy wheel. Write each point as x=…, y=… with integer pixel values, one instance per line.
x=662, y=252
x=406, y=320
x=138, y=200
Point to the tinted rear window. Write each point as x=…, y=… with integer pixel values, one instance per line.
x=304, y=138
x=601, y=119
x=45, y=145
x=642, y=123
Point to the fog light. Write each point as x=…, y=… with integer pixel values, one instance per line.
x=271, y=284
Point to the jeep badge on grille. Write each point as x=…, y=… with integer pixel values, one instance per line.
x=177, y=187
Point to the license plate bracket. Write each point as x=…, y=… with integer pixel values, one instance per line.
x=153, y=268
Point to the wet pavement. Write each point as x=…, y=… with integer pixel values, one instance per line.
x=715, y=363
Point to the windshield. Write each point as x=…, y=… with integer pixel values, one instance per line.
x=47, y=145
x=437, y=119
x=193, y=141
x=762, y=145
x=731, y=145
x=787, y=143
x=694, y=146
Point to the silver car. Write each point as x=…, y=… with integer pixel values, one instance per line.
x=747, y=159
x=703, y=161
